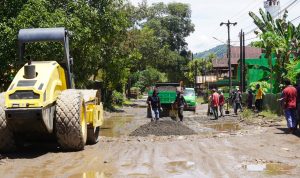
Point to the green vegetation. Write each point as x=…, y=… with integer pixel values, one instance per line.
x=268, y=114
x=261, y=118
x=219, y=51
x=112, y=42
x=147, y=77
x=281, y=38
x=117, y=98
x=199, y=66
x=247, y=113
x=265, y=86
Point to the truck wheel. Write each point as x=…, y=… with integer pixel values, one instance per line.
x=7, y=143
x=93, y=135
x=70, y=125
x=149, y=114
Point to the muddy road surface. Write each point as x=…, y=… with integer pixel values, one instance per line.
x=206, y=148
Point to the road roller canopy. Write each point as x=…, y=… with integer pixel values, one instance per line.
x=51, y=35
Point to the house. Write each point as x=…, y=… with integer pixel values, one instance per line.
x=220, y=66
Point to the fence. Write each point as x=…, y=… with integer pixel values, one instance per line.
x=270, y=102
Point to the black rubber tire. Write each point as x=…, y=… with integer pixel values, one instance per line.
x=7, y=143
x=69, y=132
x=149, y=115
x=93, y=135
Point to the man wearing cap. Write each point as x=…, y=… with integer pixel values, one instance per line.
x=237, y=100
x=181, y=103
x=154, y=103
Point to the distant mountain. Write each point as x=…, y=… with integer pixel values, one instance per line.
x=220, y=51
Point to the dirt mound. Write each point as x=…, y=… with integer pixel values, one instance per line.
x=162, y=128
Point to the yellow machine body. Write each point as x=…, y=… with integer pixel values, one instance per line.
x=34, y=99
x=42, y=101
x=47, y=85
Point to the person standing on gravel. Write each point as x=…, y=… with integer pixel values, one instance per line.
x=214, y=102
x=237, y=100
x=298, y=103
x=181, y=103
x=154, y=103
x=221, y=103
x=289, y=99
x=250, y=99
x=259, y=98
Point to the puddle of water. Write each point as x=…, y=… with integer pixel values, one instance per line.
x=91, y=174
x=179, y=166
x=139, y=175
x=141, y=106
x=114, y=126
x=256, y=167
x=225, y=127
x=270, y=168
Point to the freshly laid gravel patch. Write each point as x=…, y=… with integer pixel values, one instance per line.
x=162, y=128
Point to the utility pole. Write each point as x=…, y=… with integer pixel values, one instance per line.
x=229, y=50
x=195, y=71
x=241, y=62
x=244, y=63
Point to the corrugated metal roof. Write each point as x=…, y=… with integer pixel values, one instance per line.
x=251, y=52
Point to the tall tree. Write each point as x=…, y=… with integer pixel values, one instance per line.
x=172, y=23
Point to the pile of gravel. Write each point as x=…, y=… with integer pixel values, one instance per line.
x=162, y=128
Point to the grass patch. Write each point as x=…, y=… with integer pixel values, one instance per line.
x=247, y=113
x=263, y=118
x=127, y=102
x=268, y=114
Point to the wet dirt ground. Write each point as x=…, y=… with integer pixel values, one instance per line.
x=219, y=148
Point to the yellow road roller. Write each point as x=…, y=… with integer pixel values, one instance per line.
x=42, y=104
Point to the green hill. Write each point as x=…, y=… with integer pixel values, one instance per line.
x=220, y=51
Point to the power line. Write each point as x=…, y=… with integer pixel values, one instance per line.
x=244, y=9
x=252, y=25
x=295, y=18
x=248, y=39
x=237, y=14
x=287, y=5
x=298, y=17
x=273, y=16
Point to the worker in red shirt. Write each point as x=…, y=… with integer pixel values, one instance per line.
x=289, y=97
x=214, y=101
x=221, y=102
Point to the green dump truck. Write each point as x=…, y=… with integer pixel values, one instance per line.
x=167, y=95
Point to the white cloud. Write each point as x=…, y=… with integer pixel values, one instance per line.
x=208, y=14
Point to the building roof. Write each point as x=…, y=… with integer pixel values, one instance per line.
x=251, y=52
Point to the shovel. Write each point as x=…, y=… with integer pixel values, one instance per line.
x=227, y=109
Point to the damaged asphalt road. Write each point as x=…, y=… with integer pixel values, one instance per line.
x=129, y=147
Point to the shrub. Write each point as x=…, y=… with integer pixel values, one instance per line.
x=265, y=86
x=117, y=98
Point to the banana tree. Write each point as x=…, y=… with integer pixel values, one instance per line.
x=278, y=37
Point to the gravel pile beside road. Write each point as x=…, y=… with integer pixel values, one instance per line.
x=162, y=128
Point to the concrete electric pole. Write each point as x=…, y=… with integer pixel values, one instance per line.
x=229, y=50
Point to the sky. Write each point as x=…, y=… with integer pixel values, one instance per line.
x=208, y=14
